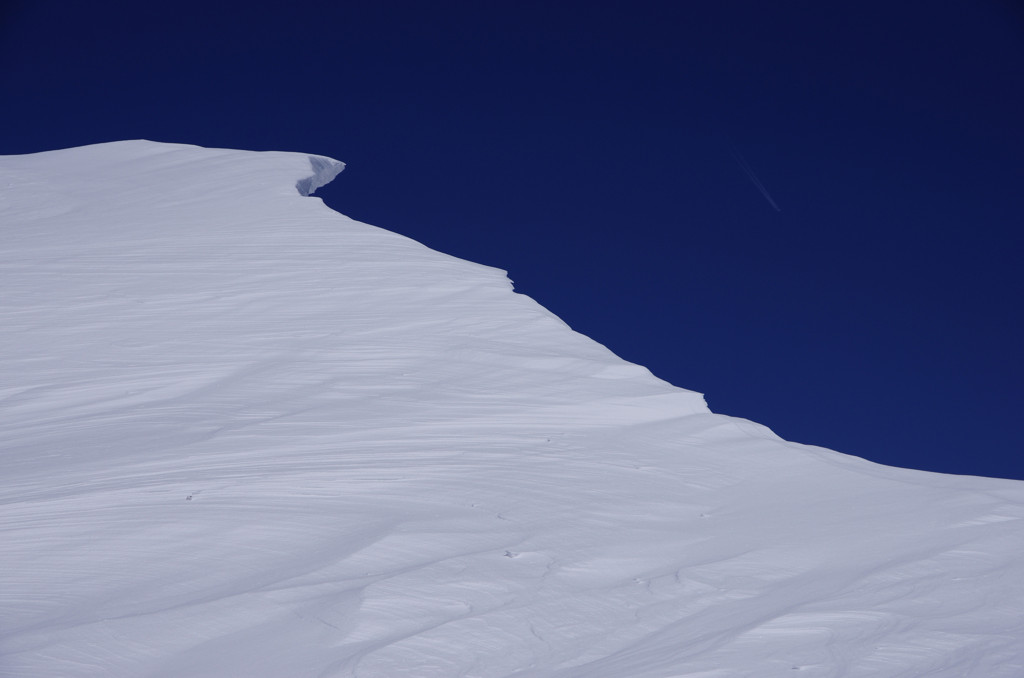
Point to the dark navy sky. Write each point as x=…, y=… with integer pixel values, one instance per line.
x=623, y=160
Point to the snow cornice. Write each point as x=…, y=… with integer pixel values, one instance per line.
x=324, y=171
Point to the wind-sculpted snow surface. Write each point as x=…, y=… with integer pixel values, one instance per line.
x=244, y=435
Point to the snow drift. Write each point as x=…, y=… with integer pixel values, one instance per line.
x=244, y=435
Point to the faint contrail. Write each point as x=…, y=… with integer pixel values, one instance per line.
x=745, y=166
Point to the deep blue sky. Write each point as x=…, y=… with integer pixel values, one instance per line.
x=596, y=151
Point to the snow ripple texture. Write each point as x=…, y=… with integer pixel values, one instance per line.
x=244, y=435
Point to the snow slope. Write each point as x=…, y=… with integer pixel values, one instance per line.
x=244, y=435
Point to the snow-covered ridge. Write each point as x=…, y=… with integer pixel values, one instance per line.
x=243, y=434
x=142, y=162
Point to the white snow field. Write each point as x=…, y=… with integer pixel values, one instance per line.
x=245, y=436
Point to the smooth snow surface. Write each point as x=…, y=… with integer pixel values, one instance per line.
x=244, y=435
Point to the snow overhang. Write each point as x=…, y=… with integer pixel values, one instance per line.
x=324, y=171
